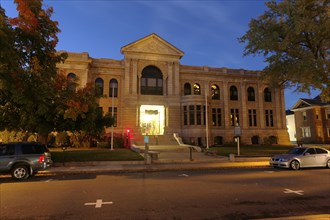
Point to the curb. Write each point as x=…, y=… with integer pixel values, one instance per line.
x=139, y=166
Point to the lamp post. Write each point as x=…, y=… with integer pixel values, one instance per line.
x=206, y=118
x=112, y=111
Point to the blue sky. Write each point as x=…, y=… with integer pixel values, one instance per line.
x=205, y=30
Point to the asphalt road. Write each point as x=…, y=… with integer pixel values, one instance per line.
x=249, y=193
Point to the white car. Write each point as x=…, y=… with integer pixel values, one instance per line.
x=300, y=157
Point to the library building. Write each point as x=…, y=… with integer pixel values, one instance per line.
x=151, y=94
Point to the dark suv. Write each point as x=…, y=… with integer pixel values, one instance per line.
x=23, y=159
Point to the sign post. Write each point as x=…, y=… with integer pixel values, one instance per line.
x=146, y=148
x=237, y=133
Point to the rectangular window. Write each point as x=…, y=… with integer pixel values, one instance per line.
x=328, y=131
x=306, y=131
x=204, y=114
x=328, y=114
x=114, y=115
x=185, y=115
x=216, y=117
x=199, y=114
x=191, y=114
x=252, y=117
x=234, y=117
x=269, y=118
x=304, y=116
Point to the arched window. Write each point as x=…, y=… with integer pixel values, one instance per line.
x=215, y=92
x=187, y=89
x=197, y=89
x=233, y=93
x=99, y=86
x=251, y=94
x=72, y=81
x=151, y=81
x=113, y=88
x=267, y=95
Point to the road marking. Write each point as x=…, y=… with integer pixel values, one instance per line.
x=98, y=203
x=267, y=171
x=298, y=192
x=49, y=180
x=184, y=175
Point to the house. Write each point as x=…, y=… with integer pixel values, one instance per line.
x=312, y=119
x=151, y=93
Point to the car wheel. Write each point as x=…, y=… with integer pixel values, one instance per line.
x=328, y=164
x=20, y=172
x=295, y=165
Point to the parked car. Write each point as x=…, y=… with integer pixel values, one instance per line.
x=23, y=159
x=300, y=157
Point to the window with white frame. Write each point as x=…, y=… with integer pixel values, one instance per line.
x=328, y=113
x=306, y=131
x=304, y=115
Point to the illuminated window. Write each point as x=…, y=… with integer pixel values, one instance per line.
x=187, y=89
x=234, y=117
x=151, y=81
x=99, y=86
x=113, y=87
x=306, y=131
x=215, y=92
x=233, y=93
x=251, y=94
x=197, y=89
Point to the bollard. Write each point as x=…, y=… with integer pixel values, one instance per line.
x=232, y=157
x=191, y=157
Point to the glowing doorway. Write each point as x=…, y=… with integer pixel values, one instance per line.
x=152, y=119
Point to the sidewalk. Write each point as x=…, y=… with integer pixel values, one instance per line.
x=170, y=157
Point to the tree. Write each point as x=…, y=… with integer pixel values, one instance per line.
x=294, y=38
x=34, y=96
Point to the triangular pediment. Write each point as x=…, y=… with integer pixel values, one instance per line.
x=152, y=44
x=301, y=104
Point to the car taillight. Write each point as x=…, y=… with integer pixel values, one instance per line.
x=41, y=159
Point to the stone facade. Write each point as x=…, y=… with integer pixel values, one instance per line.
x=154, y=94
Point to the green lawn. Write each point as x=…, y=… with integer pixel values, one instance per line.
x=84, y=155
x=254, y=150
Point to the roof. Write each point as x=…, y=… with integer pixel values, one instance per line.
x=305, y=103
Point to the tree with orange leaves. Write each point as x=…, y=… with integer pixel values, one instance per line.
x=30, y=98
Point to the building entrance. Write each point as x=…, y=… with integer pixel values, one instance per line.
x=152, y=119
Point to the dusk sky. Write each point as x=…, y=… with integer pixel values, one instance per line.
x=206, y=31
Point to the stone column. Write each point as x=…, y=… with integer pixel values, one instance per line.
x=127, y=76
x=134, y=78
x=244, y=118
x=261, y=114
x=226, y=105
x=176, y=82
x=169, y=79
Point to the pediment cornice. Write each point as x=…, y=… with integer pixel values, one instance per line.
x=153, y=45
